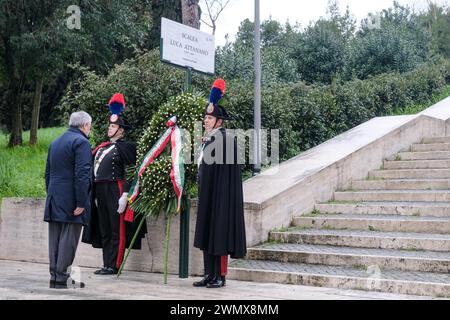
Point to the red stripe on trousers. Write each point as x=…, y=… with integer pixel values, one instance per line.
x=223, y=265
x=122, y=235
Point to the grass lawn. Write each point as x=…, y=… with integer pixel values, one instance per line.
x=22, y=168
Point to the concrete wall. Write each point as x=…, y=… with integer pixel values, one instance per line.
x=23, y=237
x=271, y=199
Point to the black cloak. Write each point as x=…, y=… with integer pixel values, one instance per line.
x=220, y=227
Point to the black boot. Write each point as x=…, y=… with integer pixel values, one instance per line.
x=106, y=271
x=100, y=271
x=204, y=282
x=217, y=282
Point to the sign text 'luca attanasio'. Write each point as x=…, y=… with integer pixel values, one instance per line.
x=187, y=47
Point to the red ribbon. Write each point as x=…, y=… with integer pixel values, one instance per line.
x=122, y=232
x=223, y=265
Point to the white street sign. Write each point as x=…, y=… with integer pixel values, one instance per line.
x=187, y=47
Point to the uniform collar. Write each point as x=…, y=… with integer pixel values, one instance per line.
x=208, y=135
x=118, y=140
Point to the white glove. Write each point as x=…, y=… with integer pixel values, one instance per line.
x=123, y=202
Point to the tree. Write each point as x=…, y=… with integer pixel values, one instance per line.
x=28, y=34
x=170, y=9
x=271, y=33
x=191, y=13
x=214, y=8
x=345, y=24
x=43, y=46
x=437, y=22
x=320, y=52
x=36, y=46
x=399, y=44
x=235, y=60
x=245, y=34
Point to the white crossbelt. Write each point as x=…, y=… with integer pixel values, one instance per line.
x=99, y=160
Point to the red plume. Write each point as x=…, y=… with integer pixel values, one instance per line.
x=117, y=98
x=219, y=84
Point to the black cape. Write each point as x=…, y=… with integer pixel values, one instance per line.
x=91, y=232
x=220, y=227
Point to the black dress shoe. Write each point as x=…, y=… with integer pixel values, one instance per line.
x=203, y=282
x=60, y=285
x=217, y=282
x=52, y=284
x=106, y=271
x=99, y=271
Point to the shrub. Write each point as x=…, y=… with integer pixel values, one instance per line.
x=306, y=115
x=145, y=82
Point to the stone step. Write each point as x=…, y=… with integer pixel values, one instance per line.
x=410, y=174
x=430, y=155
x=422, y=209
x=436, y=140
x=385, y=259
x=417, y=164
x=388, y=223
x=430, y=147
x=394, y=281
x=365, y=239
x=402, y=184
x=393, y=195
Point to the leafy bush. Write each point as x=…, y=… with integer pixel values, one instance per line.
x=306, y=115
x=145, y=82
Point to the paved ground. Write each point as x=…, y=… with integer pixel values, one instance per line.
x=24, y=280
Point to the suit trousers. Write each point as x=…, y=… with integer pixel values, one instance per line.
x=63, y=241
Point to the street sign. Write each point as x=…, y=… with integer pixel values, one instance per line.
x=187, y=47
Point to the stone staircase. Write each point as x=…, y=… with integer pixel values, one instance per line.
x=389, y=233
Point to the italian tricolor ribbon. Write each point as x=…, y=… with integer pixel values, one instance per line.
x=174, y=135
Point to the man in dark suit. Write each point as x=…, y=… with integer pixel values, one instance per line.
x=68, y=184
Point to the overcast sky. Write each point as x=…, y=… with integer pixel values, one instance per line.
x=301, y=11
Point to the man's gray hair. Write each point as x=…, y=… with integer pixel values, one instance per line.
x=79, y=119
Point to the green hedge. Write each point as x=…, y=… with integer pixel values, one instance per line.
x=305, y=115
x=145, y=82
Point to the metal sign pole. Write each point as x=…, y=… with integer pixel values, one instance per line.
x=257, y=110
x=183, y=271
x=179, y=42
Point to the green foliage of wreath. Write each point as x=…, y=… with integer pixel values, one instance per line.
x=157, y=194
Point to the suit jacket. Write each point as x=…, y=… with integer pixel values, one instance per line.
x=68, y=178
